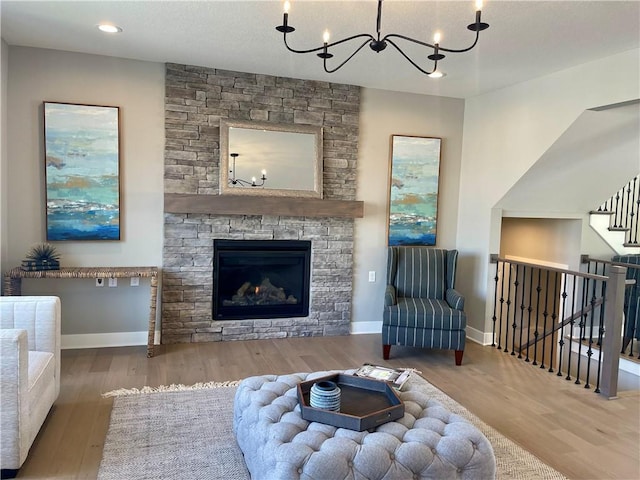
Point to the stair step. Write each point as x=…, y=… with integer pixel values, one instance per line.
x=600, y=212
x=632, y=245
x=618, y=229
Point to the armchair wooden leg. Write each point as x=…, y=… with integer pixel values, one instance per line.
x=459, y=354
x=386, y=349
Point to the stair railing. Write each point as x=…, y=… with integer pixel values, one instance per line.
x=557, y=319
x=624, y=208
x=631, y=325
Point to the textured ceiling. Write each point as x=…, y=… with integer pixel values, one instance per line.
x=526, y=39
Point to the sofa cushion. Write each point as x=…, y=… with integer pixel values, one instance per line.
x=418, y=312
x=41, y=375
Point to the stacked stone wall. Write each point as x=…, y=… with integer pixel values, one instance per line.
x=196, y=99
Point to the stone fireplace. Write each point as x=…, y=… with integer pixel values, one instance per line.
x=196, y=216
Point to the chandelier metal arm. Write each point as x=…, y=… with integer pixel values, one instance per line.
x=366, y=42
x=425, y=44
x=435, y=63
x=329, y=45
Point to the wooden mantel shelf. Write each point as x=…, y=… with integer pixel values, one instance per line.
x=258, y=205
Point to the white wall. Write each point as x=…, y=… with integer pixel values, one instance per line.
x=382, y=114
x=4, y=231
x=505, y=133
x=37, y=75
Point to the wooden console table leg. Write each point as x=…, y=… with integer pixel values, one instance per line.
x=12, y=286
x=152, y=316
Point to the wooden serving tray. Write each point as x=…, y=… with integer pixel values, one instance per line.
x=364, y=403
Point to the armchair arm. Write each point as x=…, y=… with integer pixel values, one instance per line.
x=14, y=385
x=390, y=296
x=455, y=299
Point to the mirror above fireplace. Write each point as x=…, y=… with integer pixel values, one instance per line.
x=261, y=158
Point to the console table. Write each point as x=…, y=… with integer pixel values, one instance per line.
x=13, y=284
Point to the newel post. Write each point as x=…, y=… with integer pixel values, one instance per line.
x=612, y=341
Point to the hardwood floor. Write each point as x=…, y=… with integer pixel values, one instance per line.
x=572, y=429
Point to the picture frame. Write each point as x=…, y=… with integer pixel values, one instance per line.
x=82, y=172
x=414, y=175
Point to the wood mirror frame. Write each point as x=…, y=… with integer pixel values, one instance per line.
x=290, y=154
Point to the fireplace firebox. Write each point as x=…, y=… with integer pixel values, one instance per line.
x=261, y=279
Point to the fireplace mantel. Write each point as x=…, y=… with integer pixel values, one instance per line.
x=257, y=205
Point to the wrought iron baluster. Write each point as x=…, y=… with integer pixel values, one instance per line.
x=626, y=217
x=564, y=313
x=506, y=333
x=572, y=324
x=522, y=308
x=582, y=324
x=545, y=316
x=554, y=318
x=501, y=307
x=529, y=309
x=616, y=212
x=515, y=314
x=591, y=325
x=535, y=332
x=495, y=305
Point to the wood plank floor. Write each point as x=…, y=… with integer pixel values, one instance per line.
x=572, y=429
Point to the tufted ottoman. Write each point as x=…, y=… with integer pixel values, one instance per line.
x=428, y=442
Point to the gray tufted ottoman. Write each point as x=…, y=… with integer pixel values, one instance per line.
x=428, y=442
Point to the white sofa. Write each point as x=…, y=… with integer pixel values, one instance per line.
x=29, y=373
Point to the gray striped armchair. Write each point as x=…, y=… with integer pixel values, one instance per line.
x=421, y=306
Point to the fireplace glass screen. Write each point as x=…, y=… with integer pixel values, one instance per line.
x=261, y=279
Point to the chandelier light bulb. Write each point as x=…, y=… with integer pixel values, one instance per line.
x=436, y=74
x=326, y=36
x=287, y=6
x=436, y=37
x=478, y=5
x=263, y=172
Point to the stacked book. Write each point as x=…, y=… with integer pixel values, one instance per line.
x=393, y=376
x=36, y=265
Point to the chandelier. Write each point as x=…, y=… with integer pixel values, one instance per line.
x=244, y=183
x=377, y=44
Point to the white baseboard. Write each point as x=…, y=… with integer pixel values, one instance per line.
x=98, y=340
x=358, y=328
x=475, y=335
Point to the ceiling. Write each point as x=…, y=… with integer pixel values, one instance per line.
x=526, y=39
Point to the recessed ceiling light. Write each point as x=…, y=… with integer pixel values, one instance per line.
x=108, y=28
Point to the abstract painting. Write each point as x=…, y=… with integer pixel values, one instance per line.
x=413, y=190
x=82, y=164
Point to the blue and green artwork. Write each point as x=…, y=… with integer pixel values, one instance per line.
x=82, y=172
x=413, y=197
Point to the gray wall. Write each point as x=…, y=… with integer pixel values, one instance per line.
x=36, y=75
x=383, y=114
x=505, y=132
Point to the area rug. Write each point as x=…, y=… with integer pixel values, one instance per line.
x=186, y=432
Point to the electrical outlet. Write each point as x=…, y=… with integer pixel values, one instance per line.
x=135, y=281
x=372, y=276
x=113, y=282
x=99, y=282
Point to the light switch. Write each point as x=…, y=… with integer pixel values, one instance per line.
x=113, y=282
x=372, y=276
